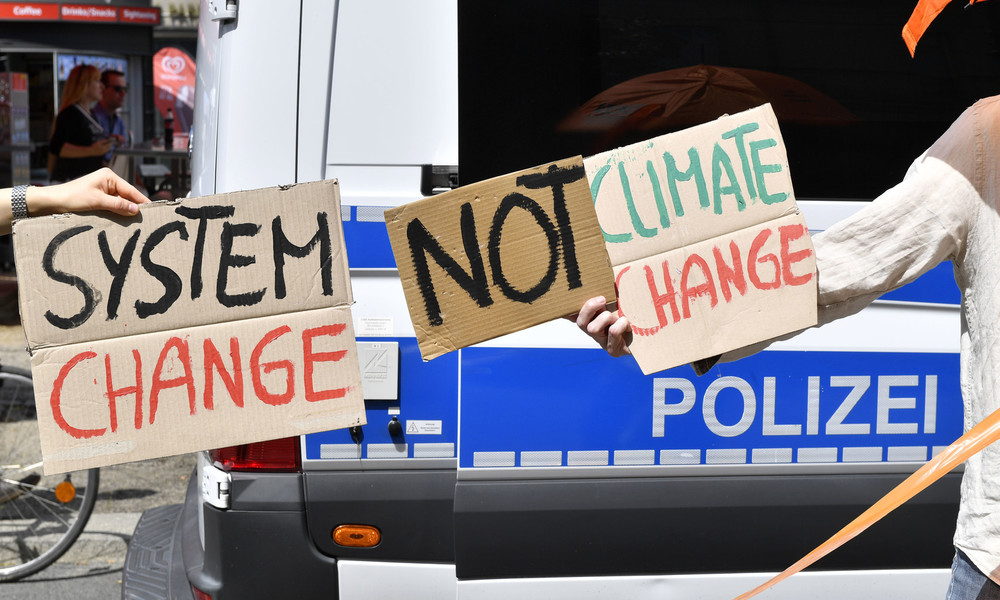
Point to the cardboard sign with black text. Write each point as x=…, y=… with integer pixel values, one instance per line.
x=211, y=322
x=710, y=252
x=499, y=256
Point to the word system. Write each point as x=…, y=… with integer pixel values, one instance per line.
x=499, y=256
x=709, y=250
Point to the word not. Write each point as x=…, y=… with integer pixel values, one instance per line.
x=119, y=263
x=839, y=422
x=712, y=276
x=474, y=282
x=209, y=365
x=725, y=182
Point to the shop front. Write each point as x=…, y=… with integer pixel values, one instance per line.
x=40, y=43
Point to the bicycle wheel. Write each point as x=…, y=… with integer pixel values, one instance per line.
x=40, y=516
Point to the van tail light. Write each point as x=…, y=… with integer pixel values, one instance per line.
x=281, y=456
x=199, y=595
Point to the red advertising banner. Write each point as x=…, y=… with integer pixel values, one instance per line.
x=174, y=78
x=139, y=15
x=29, y=11
x=88, y=12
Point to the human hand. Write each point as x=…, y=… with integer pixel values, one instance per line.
x=102, y=147
x=100, y=190
x=612, y=332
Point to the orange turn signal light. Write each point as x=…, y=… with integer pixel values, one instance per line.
x=357, y=536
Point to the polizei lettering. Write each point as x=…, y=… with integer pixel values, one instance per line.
x=835, y=405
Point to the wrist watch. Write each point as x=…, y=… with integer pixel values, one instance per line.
x=19, y=202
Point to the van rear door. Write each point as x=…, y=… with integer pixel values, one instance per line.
x=264, y=79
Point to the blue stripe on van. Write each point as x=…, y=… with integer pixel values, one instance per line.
x=368, y=248
x=367, y=244
x=777, y=407
x=428, y=392
x=935, y=286
x=584, y=408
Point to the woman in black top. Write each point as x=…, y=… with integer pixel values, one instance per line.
x=78, y=143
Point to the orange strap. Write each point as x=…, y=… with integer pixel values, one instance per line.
x=920, y=20
x=977, y=438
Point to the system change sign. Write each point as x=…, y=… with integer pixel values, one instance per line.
x=210, y=322
x=499, y=256
x=710, y=252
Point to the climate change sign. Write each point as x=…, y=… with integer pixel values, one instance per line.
x=709, y=250
x=210, y=322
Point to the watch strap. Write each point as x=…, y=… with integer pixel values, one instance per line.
x=19, y=202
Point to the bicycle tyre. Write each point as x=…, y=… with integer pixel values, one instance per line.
x=36, y=527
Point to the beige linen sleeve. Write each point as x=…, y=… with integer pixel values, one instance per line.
x=905, y=232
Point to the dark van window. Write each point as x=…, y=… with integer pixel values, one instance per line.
x=541, y=80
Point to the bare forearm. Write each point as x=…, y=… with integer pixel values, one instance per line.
x=101, y=190
x=73, y=151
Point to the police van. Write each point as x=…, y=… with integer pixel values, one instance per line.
x=534, y=465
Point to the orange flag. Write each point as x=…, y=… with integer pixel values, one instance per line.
x=920, y=20
x=977, y=438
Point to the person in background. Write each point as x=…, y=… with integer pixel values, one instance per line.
x=78, y=143
x=947, y=207
x=100, y=190
x=106, y=109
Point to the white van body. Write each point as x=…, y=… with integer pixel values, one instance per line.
x=547, y=440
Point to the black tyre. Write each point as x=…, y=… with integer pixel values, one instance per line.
x=40, y=515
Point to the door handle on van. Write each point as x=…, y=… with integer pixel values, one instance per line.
x=435, y=179
x=222, y=10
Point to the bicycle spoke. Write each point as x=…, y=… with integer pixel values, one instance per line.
x=35, y=528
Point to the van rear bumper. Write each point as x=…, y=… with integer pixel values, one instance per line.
x=249, y=554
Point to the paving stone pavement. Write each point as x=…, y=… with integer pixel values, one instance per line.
x=125, y=490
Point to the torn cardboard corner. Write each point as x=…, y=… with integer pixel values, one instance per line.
x=215, y=321
x=499, y=256
x=709, y=250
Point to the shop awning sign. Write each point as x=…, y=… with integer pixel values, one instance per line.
x=89, y=13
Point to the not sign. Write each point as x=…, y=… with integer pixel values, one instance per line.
x=499, y=256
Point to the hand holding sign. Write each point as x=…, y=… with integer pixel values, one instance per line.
x=100, y=190
x=611, y=331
